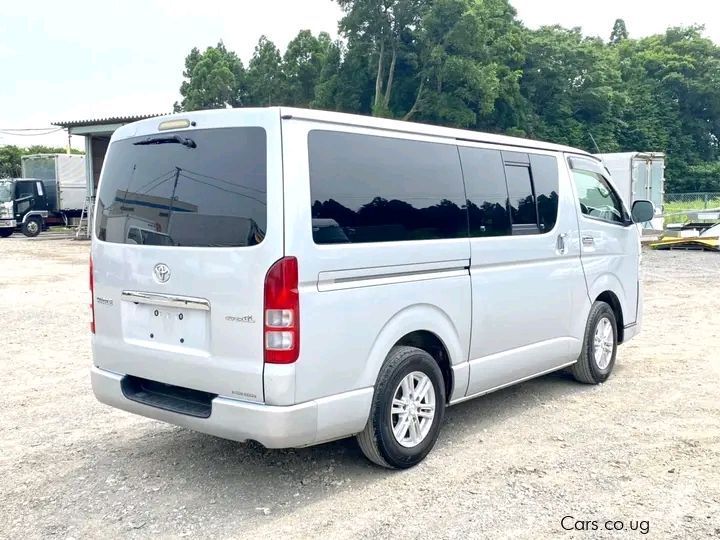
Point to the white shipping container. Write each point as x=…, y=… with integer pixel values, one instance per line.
x=64, y=177
x=639, y=176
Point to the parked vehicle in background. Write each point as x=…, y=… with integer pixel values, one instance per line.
x=53, y=190
x=640, y=176
x=317, y=275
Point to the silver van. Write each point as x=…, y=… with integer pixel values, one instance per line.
x=294, y=277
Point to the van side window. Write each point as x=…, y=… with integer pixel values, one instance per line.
x=546, y=182
x=487, y=195
x=367, y=188
x=597, y=198
x=523, y=210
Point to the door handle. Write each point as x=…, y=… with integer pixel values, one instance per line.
x=560, y=246
x=588, y=241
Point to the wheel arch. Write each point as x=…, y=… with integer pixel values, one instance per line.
x=608, y=288
x=610, y=298
x=428, y=328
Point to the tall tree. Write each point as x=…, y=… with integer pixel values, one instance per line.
x=469, y=56
x=214, y=79
x=382, y=24
x=303, y=64
x=266, y=82
x=619, y=32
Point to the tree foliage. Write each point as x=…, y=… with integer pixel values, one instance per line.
x=472, y=64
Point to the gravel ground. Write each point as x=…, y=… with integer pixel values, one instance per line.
x=641, y=450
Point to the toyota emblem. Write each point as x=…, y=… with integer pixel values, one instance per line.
x=162, y=273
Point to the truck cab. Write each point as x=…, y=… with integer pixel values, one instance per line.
x=23, y=206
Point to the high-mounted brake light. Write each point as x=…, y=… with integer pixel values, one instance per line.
x=92, y=297
x=282, y=312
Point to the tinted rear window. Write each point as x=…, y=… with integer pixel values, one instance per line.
x=171, y=194
x=377, y=189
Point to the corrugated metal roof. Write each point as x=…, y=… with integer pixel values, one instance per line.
x=109, y=120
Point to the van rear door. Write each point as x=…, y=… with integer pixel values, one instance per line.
x=187, y=224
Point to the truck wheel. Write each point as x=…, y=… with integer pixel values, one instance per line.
x=597, y=358
x=4, y=233
x=32, y=227
x=407, y=410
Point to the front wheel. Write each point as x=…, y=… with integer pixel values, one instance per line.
x=4, y=233
x=407, y=410
x=32, y=227
x=597, y=358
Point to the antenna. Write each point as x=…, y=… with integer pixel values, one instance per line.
x=597, y=148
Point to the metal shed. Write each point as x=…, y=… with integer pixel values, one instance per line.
x=97, y=133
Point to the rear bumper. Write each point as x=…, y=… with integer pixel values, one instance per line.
x=309, y=423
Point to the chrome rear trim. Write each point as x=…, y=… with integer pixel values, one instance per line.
x=168, y=300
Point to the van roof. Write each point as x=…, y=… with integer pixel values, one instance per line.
x=136, y=128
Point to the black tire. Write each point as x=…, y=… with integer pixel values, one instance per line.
x=4, y=233
x=377, y=440
x=586, y=369
x=32, y=227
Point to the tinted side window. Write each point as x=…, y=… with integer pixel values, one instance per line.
x=368, y=188
x=24, y=189
x=597, y=198
x=546, y=182
x=487, y=195
x=523, y=211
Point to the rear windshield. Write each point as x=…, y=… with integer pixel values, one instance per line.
x=203, y=188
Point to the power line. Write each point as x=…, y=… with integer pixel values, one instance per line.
x=25, y=132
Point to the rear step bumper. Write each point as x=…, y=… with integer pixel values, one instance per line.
x=295, y=426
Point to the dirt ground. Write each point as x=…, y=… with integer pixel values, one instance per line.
x=642, y=450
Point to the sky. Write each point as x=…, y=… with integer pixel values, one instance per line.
x=90, y=59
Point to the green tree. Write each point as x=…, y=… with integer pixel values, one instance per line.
x=214, y=79
x=10, y=161
x=673, y=84
x=266, y=82
x=573, y=86
x=303, y=64
x=619, y=32
x=383, y=25
x=470, y=59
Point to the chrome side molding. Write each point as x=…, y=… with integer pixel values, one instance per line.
x=168, y=300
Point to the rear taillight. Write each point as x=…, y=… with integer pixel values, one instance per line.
x=92, y=297
x=282, y=312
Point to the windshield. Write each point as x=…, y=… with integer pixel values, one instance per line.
x=6, y=191
x=204, y=188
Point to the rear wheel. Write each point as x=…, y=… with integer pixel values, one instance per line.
x=597, y=358
x=32, y=227
x=4, y=233
x=407, y=410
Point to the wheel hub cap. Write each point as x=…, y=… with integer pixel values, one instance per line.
x=413, y=409
x=603, y=343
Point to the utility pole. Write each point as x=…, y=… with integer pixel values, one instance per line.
x=172, y=198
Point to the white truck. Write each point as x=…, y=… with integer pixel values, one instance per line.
x=639, y=176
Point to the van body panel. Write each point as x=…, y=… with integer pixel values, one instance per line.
x=343, y=341
x=219, y=350
x=511, y=275
x=295, y=426
x=610, y=253
x=179, y=283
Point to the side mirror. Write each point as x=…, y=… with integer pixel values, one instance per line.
x=643, y=211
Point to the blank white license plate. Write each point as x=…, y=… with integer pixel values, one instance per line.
x=165, y=327
x=7, y=223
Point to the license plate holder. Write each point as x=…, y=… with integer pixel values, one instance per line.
x=165, y=327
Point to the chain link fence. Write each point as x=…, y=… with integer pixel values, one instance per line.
x=679, y=203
